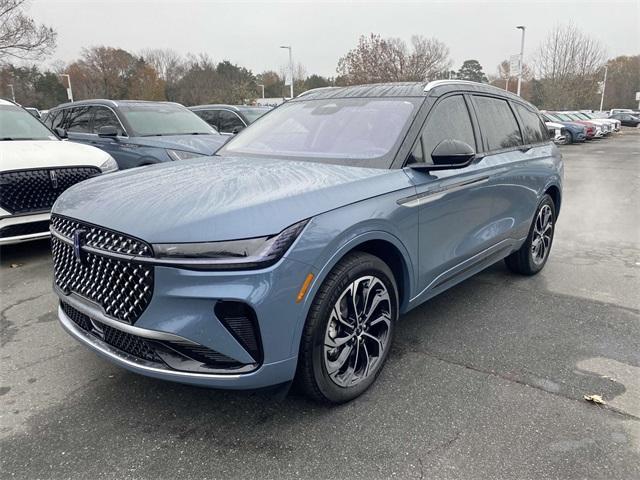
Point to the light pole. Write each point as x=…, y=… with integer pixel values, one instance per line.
x=13, y=93
x=604, y=86
x=69, y=91
x=521, y=27
x=262, y=86
x=290, y=67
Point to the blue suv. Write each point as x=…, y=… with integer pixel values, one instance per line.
x=136, y=132
x=293, y=255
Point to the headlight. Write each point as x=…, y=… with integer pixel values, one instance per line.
x=251, y=253
x=109, y=165
x=182, y=155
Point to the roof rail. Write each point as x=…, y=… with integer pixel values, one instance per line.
x=314, y=90
x=436, y=83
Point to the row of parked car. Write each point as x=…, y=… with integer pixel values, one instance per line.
x=568, y=127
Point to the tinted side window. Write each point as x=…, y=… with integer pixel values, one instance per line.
x=534, y=131
x=53, y=119
x=228, y=121
x=497, y=123
x=79, y=120
x=209, y=116
x=103, y=117
x=449, y=119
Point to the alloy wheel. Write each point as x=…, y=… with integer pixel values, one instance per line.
x=542, y=235
x=357, y=332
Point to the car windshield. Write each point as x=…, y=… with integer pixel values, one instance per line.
x=583, y=116
x=563, y=117
x=17, y=124
x=348, y=131
x=158, y=119
x=252, y=114
x=552, y=118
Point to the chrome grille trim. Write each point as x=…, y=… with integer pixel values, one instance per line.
x=101, y=238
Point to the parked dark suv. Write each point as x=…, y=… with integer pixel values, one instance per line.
x=136, y=132
x=229, y=119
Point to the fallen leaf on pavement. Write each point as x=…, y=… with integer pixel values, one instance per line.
x=15, y=265
x=595, y=399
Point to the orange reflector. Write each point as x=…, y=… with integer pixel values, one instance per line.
x=304, y=288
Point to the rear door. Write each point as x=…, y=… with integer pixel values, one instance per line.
x=516, y=144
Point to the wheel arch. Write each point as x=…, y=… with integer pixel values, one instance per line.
x=554, y=192
x=381, y=244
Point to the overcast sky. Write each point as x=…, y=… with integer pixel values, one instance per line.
x=249, y=33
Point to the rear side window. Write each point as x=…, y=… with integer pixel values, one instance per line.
x=449, y=119
x=497, y=123
x=533, y=128
x=79, y=120
x=104, y=117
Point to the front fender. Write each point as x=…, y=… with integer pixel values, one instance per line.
x=330, y=236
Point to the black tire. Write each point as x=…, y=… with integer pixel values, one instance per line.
x=568, y=138
x=525, y=261
x=312, y=375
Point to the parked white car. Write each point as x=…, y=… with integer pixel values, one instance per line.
x=35, y=168
x=557, y=129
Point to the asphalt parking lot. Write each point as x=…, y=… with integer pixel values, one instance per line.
x=485, y=381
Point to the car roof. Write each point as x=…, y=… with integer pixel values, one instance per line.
x=406, y=89
x=230, y=107
x=6, y=102
x=112, y=103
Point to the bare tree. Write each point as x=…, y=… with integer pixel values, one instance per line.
x=168, y=63
x=568, y=63
x=20, y=36
x=377, y=59
x=429, y=57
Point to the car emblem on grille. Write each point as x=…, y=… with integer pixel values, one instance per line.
x=54, y=179
x=78, y=240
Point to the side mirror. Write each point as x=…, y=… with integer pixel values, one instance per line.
x=60, y=132
x=237, y=129
x=447, y=155
x=107, y=131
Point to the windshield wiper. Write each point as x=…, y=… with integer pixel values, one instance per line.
x=18, y=139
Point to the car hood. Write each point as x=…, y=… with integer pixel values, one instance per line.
x=27, y=154
x=554, y=125
x=202, y=144
x=221, y=198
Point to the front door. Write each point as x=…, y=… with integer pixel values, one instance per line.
x=454, y=206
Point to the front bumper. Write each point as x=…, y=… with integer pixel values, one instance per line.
x=23, y=228
x=183, y=309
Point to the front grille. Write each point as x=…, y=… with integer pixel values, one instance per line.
x=131, y=344
x=27, y=191
x=24, y=229
x=123, y=288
